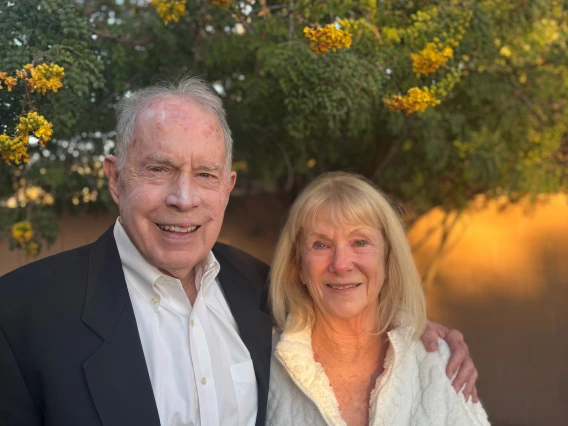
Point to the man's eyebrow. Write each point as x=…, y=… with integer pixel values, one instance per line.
x=156, y=158
x=211, y=167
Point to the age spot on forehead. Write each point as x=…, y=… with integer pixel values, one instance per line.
x=211, y=129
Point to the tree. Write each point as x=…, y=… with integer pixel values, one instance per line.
x=435, y=101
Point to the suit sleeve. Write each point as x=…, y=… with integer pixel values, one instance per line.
x=16, y=405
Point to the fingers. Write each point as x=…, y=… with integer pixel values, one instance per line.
x=459, y=350
x=431, y=334
x=474, y=397
x=469, y=377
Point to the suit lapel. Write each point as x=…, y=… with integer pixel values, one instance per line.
x=116, y=374
x=255, y=327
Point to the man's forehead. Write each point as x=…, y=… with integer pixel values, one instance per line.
x=171, y=108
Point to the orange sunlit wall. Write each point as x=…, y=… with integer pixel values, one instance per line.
x=504, y=284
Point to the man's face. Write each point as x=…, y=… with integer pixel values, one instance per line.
x=174, y=186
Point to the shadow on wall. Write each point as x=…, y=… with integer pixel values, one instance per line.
x=505, y=286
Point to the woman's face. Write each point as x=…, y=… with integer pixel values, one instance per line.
x=343, y=268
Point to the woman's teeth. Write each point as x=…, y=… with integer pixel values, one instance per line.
x=177, y=228
x=342, y=287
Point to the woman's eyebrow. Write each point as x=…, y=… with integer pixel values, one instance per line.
x=361, y=229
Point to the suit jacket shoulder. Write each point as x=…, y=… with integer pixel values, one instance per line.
x=254, y=270
x=43, y=282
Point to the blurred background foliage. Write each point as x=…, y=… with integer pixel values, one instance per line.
x=497, y=67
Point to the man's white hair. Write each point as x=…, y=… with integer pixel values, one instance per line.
x=191, y=88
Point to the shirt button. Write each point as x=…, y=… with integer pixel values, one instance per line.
x=155, y=300
x=203, y=380
x=192, y=323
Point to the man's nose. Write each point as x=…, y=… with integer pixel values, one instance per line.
x=183, y=194
x=341, y=262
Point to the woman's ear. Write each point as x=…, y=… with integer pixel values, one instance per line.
x=301, y=274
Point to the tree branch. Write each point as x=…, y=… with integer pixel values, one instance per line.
x=393, y=149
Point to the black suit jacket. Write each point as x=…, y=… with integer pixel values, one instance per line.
x=70, y=352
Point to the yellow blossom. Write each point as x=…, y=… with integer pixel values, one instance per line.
x=326, y=38
x=28, y=67
x=415, y=100
x=46, y=77
x=14, y=149
x=22, y=232
x=36, y=124
x=10, y=82
x=32, y=248
x=34, y=192
x=48, y=199
x=22, y=75
x=506, y=51
x=429, y=59
x=169, y=10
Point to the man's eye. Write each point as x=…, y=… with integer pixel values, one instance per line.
x=157, y=169
x=205, y=175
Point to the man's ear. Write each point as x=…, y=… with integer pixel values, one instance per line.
x=111, y=171
x=232, y=181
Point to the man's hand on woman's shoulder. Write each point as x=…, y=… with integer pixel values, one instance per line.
x=460, y=359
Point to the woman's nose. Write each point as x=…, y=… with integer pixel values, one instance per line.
x=341, y=262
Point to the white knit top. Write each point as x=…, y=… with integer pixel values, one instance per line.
x=413, y=389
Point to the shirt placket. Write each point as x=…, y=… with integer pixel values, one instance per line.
x=201, y=358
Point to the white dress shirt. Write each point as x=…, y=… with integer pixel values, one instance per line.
x=201, y=371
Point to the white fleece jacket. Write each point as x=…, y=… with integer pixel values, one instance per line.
x=413, y=389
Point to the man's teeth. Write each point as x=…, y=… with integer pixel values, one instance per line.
x=342, y=287
x=177, y=228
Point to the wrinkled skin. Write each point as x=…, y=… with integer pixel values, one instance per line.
x=174, y=174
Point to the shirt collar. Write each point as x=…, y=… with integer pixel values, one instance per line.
x=144, y=276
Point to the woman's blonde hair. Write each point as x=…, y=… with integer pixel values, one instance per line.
x=348, y=199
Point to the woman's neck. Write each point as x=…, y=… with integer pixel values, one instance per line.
x=347, y=341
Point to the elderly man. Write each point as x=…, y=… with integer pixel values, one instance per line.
x=154, y=323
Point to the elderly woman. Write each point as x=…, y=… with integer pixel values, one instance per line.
x=348, y=301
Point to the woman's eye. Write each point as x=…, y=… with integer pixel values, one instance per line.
x=361, y=243
x=319, y=246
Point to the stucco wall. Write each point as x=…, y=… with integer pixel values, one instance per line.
x=504, y=285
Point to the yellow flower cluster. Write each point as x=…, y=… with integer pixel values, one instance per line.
x=22, y=232
x=169, y=10
x=14, y=149
x=326, y=38
x=36, y=124
x=45, y=77
x=415, y=100
x=8, y=81
x=222, y=3
x=429, y=59
x=29, y=195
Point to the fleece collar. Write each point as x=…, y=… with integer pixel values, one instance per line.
x=295, y=353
